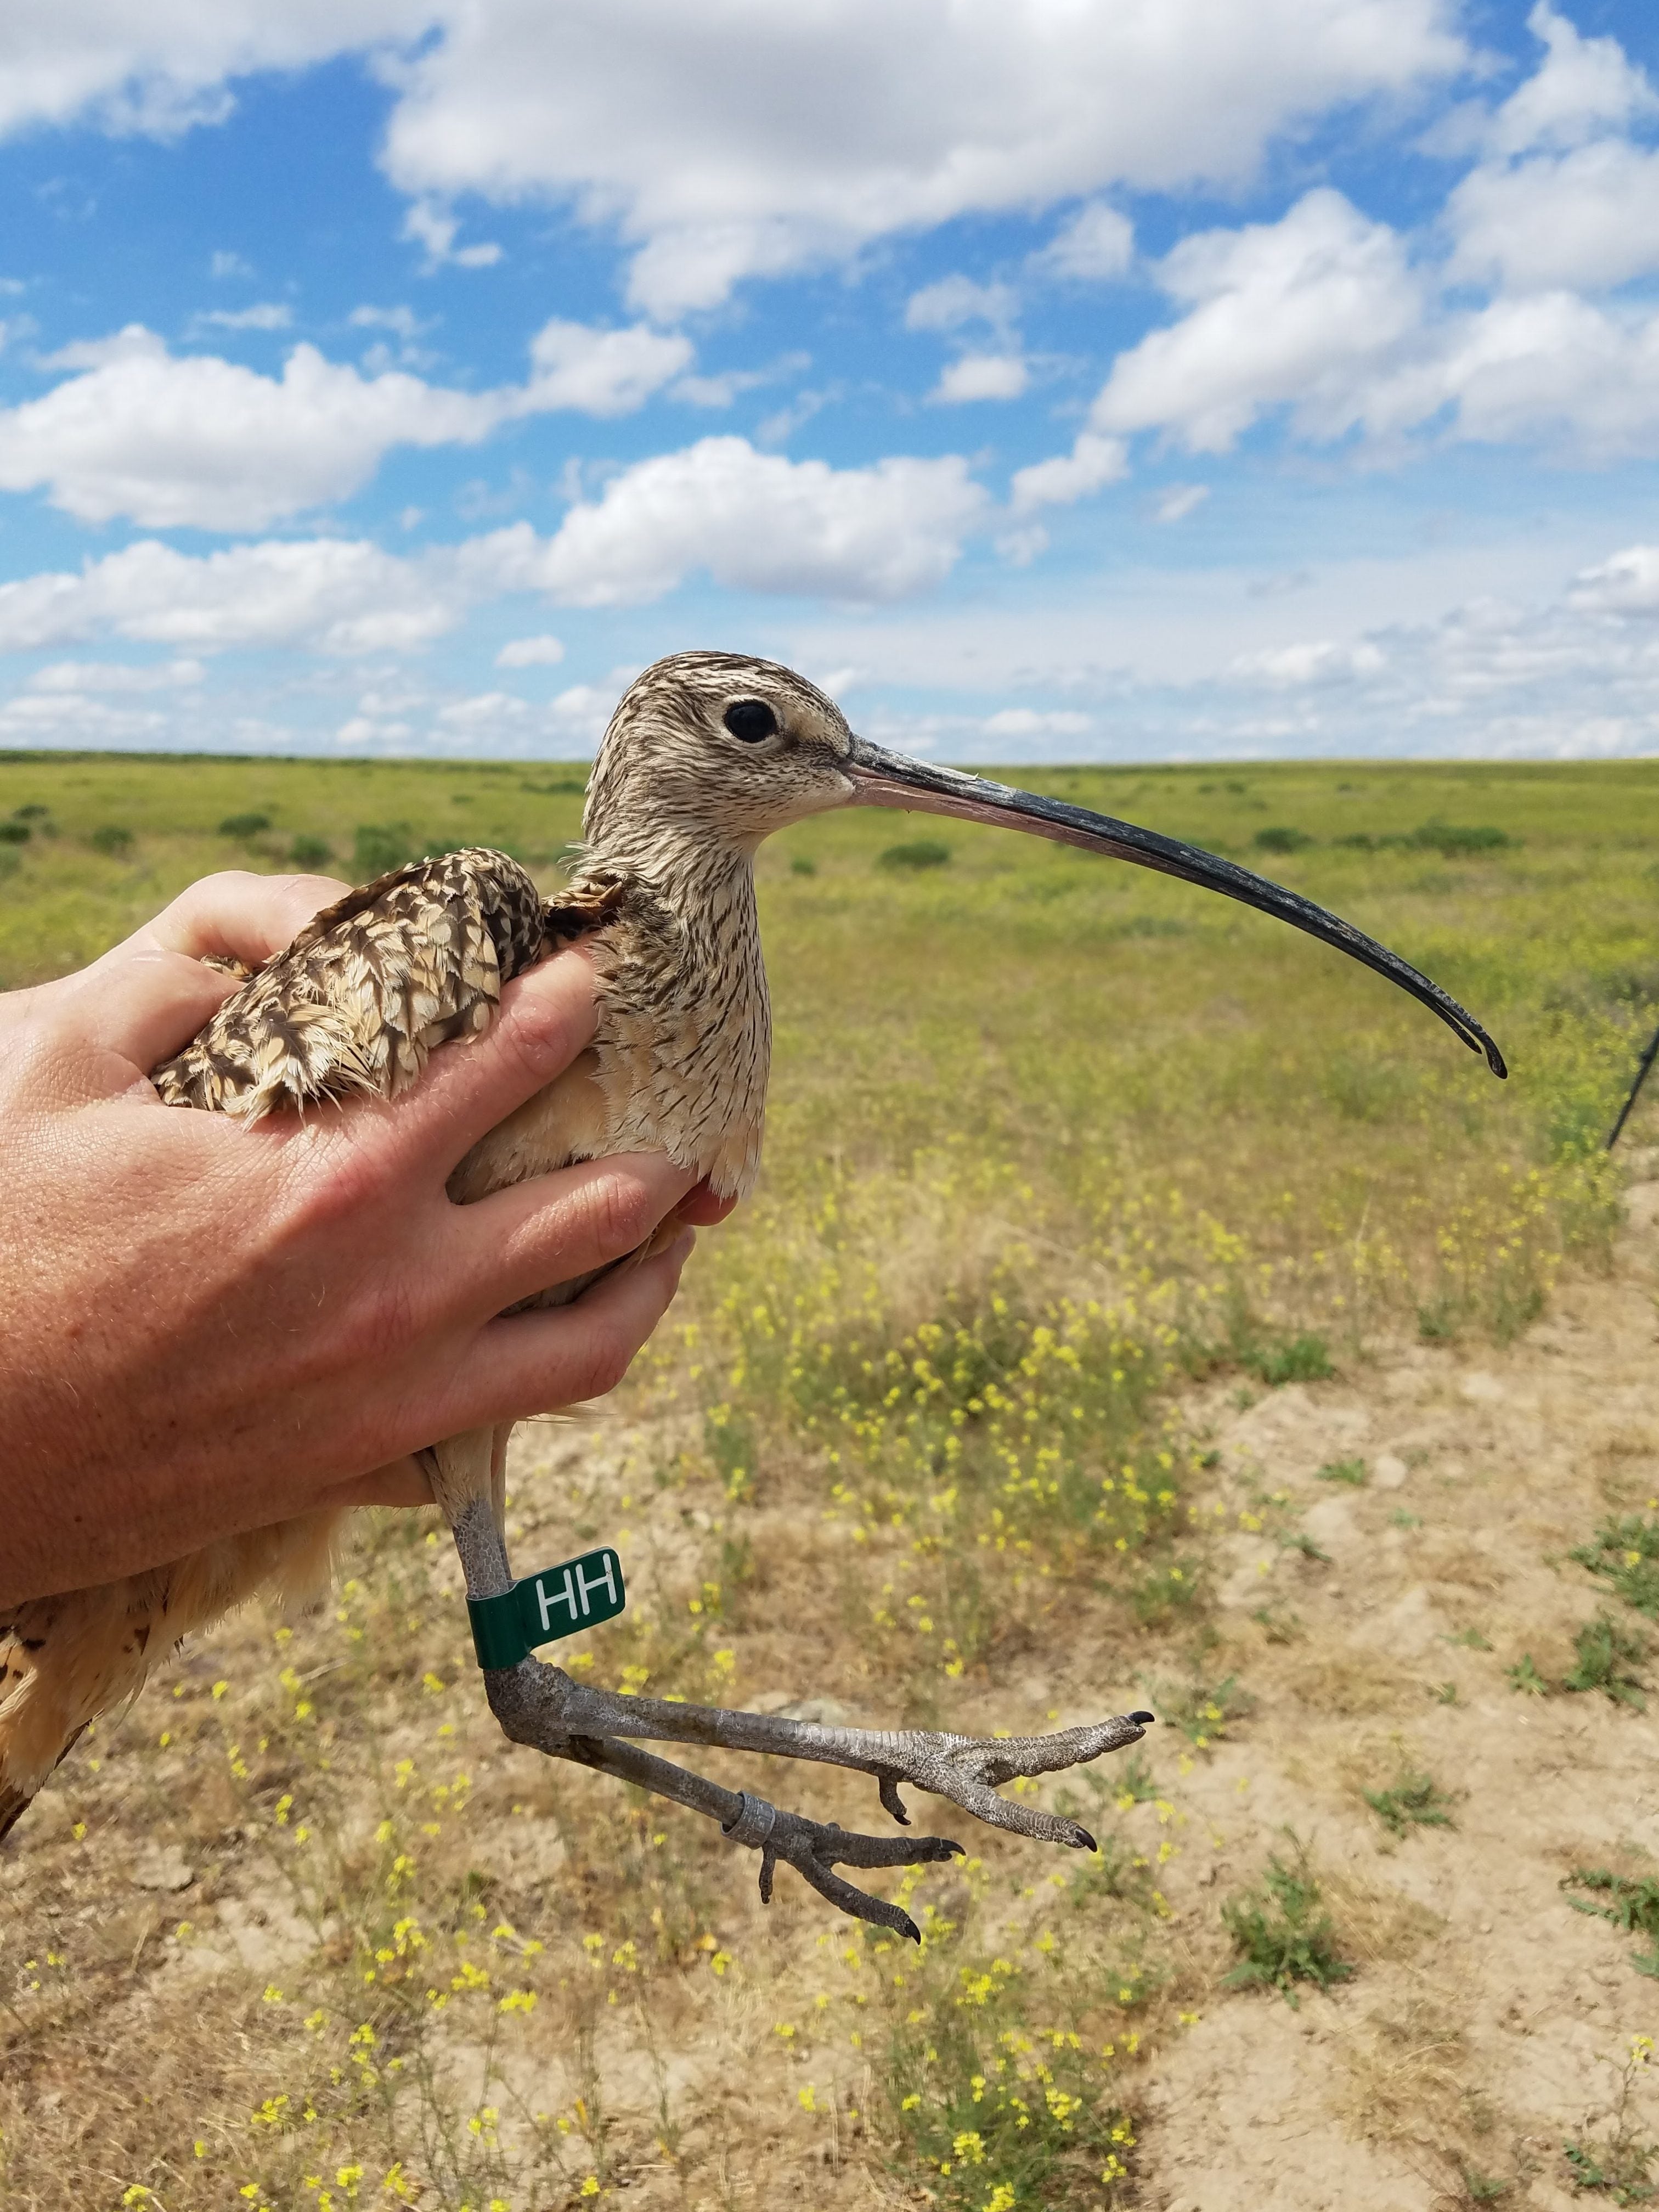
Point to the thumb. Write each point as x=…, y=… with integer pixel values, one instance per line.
x=126, y=1015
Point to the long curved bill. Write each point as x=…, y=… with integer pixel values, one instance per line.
x=883, y=778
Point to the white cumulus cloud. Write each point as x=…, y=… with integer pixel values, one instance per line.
x=1027, y=722
x=81, y=676
x=435, y=229
x=172, y=441
x=753, y=520
x=981, y=376
x=1626, y=583
x=1292, y=667
x=542, y=651
x=1177, y=501
x=1582, y=88
x=1585, y=219
x=761, y=522
x=1293, y=313
x=331, y=595
x=600, y=371
x=788, y=136
x=264, y=315
x=956, y=300
x=1092, y=462
x=1097, y=242
x=194, y=440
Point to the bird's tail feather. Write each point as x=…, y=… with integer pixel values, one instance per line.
x=66, y=1659
x=14, y=1802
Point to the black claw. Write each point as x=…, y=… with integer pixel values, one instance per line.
x=1085, y=1841
x=931, y=1849
x=768, y=1868
x=909, y=1928
x=1142, y=1717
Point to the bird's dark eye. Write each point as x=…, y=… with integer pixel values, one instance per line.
x=751, y=719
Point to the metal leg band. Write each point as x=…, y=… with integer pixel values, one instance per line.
x=754, y=1824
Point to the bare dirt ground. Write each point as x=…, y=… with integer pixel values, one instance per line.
x=1487, y=2020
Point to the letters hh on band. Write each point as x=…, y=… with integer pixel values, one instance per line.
x=578, y=1588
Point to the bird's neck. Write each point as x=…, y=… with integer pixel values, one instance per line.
x=686, y=866
x=685, y=1030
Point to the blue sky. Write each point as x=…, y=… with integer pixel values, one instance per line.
x=1151, y=378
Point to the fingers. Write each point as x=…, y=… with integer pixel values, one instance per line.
x=399, y=1482
x=533, y=1362
x=700, y=1209
x=546, y=1018
x=557, y=1227
x=125, y=1014
x=236, y=915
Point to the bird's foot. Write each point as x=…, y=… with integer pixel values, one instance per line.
x=534, y=1702
x=541, y=1707
x=814, y=1849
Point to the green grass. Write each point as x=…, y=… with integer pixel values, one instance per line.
x=1284, y=1933
x=1624, y=1553
x=1608, y=1656
x=1416, y=1801
x=1630, y=1904
x=1351, y=1471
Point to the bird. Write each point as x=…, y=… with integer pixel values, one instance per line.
x=707, y=754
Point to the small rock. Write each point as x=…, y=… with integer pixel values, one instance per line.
x=162, y=1866
x=1388, y=1471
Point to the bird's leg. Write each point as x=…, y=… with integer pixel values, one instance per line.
x=813, y=1848
x=540, y=1706
x=810, y=1847
x=468, y=1468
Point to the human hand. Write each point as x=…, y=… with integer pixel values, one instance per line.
x=206, y=1327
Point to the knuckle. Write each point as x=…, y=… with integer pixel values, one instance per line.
x=384, y=1321
x=620, y=1214
x=606, y=1357
x=539, y=1025
x=342, y=1187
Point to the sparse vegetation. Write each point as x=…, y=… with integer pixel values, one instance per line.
x=1626, y=1554
x=1630, y=1903
x=1608, y=1657
x=309, y=852
x=1284, y=1933
x=1619, y=2164
x=1302, y=1358
x=112, y=837
x=244, y=825
x=917, y=853
x=1415, y=1801
x=379, y=846
x=1351, y=1471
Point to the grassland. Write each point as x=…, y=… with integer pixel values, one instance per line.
x=1076, y=1178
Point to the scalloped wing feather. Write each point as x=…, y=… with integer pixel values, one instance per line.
x=367, y=990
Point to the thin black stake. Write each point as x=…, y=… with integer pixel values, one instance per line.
x=1648, y=1058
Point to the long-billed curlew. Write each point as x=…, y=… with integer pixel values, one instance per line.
x=708, y=753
